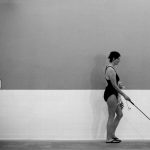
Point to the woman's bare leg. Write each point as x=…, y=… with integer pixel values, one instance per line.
x=112, y=106
x=117, y=119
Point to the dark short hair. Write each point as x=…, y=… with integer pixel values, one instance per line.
x=113, y=55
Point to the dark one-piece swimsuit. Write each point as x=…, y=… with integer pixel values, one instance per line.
x=110, y=90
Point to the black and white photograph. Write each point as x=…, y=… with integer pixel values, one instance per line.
x=74, y=74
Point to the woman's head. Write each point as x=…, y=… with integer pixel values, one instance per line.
x=114, y=56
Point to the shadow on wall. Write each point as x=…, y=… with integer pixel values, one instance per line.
x=97, y=75
x=100, y=114
x=99, y=107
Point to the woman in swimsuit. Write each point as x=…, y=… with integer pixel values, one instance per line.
x=111, y=96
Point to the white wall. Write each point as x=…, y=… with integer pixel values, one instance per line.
x=68, y=115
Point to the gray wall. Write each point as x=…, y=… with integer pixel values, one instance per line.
x=63, y=44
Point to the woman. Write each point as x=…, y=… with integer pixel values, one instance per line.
x=111, y=96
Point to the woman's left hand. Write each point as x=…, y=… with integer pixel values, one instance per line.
x=121, y=86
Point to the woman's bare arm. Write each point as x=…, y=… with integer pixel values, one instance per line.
x=112, y=76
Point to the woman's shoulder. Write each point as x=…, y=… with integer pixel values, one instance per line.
x=110, y=69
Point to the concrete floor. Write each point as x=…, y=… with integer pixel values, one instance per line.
x=73, y=145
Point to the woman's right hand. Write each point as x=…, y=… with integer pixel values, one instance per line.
x=127, y=98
